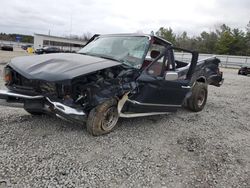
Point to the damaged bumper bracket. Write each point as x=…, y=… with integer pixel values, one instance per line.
x=57, y=108
x=66, y=112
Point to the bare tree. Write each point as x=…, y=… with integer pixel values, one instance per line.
x=86, y=36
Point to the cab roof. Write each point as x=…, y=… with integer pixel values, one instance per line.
x=140, y=35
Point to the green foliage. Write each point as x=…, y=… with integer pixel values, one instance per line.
x=166, y=33
x=207, y=42
x=247, y=38
x=27, y=38
x=224, y=40
x=225, y=43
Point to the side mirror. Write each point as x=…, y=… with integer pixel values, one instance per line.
x=171, y=75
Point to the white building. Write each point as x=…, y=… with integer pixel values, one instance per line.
x=41, y=41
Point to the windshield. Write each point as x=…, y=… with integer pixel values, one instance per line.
x=126, y=49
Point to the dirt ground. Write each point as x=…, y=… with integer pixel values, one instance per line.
x=183, y=149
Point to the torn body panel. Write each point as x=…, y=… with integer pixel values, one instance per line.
x=93, y=89
x=206, y=71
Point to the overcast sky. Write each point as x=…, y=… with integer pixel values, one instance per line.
x=120, y=16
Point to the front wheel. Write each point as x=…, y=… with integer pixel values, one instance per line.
x=103, y=118
x=198, y=99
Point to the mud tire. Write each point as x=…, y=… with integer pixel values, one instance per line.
x=198, y=99
x=97, y=118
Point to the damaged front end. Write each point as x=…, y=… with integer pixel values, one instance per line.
x=69, y=99
x=40, y=104
x=90, y=90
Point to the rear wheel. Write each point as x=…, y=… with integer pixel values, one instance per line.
x=198, y=99
x=103, y=118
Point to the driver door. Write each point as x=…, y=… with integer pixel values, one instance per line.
x=160, y=88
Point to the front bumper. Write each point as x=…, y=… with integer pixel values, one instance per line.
x=13, y=99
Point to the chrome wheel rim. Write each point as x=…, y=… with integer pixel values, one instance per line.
x=110, y=119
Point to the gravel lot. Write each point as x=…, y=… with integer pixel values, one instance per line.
x=183, y=149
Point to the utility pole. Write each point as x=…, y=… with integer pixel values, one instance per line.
x=70, y=47
x=49, y=35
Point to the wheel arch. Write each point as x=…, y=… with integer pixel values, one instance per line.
x=202, y=79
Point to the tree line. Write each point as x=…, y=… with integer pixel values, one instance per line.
x=224, y=40
x=12, y=37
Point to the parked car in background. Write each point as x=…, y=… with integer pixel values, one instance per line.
x=7, y=48
x=68, y=51
x=244, y=71
x=47, y=50
x=123, y=75
x=26, y=46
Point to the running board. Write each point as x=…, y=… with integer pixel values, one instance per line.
x=131, y=115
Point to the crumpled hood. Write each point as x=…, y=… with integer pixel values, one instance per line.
x=59, y=66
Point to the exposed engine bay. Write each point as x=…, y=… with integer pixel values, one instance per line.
x=90, y=90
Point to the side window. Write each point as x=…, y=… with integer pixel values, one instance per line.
x=157, y=67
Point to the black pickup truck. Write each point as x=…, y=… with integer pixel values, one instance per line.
x=121, y=75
